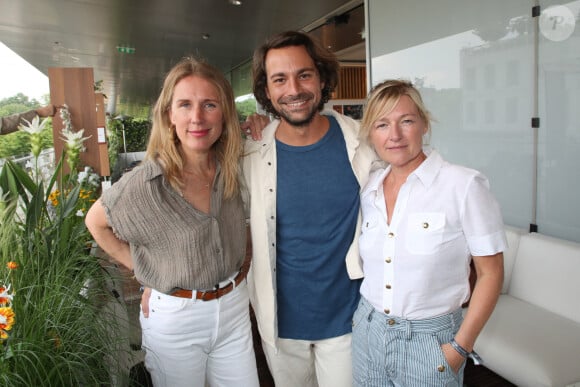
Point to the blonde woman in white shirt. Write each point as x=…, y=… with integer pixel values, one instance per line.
x=424, y=220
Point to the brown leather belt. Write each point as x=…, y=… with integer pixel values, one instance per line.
x=209, y=295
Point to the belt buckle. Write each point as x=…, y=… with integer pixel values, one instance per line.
x=207, y=293
x=202, y=295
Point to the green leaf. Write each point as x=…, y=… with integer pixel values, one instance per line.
x=15, y=182
x=54, y=177
x=35, y=209
x=22, y=176
x=69, y=202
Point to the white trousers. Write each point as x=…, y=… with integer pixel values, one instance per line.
x=320, y=363
x=195, y=343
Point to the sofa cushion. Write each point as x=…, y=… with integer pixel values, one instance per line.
x=546, y=273
x=530, y=346
x=513, y=235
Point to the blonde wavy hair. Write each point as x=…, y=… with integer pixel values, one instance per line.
x=164, y=146
x=383, y=98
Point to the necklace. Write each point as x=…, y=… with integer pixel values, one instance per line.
x=198, y=181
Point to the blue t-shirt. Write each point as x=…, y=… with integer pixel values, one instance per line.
x=317, y=206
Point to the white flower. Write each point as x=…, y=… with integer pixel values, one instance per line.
x=87, y=176
x=65, y=117
x=74, y=140
x=80, y=213
x=34, y=127
x=83, y=176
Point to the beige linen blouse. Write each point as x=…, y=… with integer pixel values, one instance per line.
x=173, y=245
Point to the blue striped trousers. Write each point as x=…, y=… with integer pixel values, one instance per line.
x=390, y=351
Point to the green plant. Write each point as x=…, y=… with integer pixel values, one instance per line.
x=245, y=108
x=136, y=134
x=61, y=333
x=114, y=139
x=18, y=143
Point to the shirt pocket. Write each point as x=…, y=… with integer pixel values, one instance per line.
x=425, y=232
x=370, y=235
x=369, y=224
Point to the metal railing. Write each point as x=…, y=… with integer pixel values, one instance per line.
x=45, y=162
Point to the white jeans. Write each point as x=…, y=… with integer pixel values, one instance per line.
x=322, y=363
x=192, y=342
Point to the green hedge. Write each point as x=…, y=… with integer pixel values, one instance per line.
x=136, y=134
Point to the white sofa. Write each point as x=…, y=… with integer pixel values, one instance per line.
x=533, y=335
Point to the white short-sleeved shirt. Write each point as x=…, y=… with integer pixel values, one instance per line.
x=418, y=266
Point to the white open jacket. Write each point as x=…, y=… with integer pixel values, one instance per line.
x=259, y=170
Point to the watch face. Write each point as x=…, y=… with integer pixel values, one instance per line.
x=557, y=23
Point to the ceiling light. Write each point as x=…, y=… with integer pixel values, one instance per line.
x=235, y=2
x=205, y=36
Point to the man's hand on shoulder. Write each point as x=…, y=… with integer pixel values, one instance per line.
x=254, y=125
x=46, y=111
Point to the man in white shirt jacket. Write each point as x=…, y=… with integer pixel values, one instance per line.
x=304, y=176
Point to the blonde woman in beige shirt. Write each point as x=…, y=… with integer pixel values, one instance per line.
x=178, y=221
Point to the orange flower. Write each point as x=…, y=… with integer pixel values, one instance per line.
x=12, y=265
x=6, y=318
x=5, y=297
x=53, y=197
x=84, y=194
x=56, y=338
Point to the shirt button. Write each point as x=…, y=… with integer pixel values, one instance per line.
x=441, y=368
x=388, y=260
x=425, y=225
x=387, y=311
x=391, y=322
x=387, y=286
x=390, y=235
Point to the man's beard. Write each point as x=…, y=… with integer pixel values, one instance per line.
x=287, y=116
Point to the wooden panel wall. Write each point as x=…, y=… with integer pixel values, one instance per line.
x=352, y=83
x=101, y=123
x=74, y=86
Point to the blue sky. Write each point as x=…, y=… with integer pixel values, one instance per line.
x=18, y=76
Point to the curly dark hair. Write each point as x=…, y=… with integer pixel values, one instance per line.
x=324, y=60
